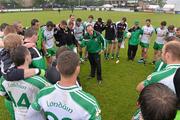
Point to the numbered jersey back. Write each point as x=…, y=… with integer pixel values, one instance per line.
x=23, y=93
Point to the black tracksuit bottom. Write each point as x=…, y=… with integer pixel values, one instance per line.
x=132, y=49
x=95, y=62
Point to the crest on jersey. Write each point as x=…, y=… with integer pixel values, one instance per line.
x=98, y=112
x=149, y=77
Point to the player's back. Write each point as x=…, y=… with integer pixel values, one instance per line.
x=23, y=93
x=67, y=103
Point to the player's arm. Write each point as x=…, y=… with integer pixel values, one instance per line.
x=96, y=112
x=37, y=59
x=131, y=29
x=35, y=110
x=103, y=41
x=35, y=115
x=140, y=86
x=43, y=44
x=57, y=35
x=19, y=74
x=141, y=31
x=83, y=42
x=153, y=30
x=150, y=80
x=1, y=44
x=2, y=89
x=75, y=42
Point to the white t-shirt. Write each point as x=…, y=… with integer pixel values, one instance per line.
x=22, y=93
x=70, y=103
x=161, y=34
x=48, y=38
x=78, y=31
x=147, y=33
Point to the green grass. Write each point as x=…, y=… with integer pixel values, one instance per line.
x=116, y=96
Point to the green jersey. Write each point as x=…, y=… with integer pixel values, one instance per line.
x=22, y=93
x=40, y=39
x=164, y=76
x=137, y=115
x=94, y=43
x=135, y=36
x=65, y=103
x=37, y=59
x=159, y=65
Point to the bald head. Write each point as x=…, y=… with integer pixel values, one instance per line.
x=170, y=52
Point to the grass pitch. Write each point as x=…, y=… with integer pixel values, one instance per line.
x=116, y=96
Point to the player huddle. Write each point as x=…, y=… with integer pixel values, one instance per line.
x=40, y=67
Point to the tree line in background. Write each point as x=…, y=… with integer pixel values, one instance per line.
x=38, y=3
x=64, y=3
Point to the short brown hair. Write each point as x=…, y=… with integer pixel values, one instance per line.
x=91, y=16
x=12, y=40
x=29, y=33
x=19, y=55
x=61, y=50
x=173, y=47
x=171, y=38
x=63, y=22
x=9, y=29
x=67, y=63
x=171, y=27
x=178, y=29
x=158, y=102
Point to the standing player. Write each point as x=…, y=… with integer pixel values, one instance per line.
x=72, y=19
x=110, y=35
x=71, y=41
x=99, y=25
x=160, y=64
x=95, y=44
x=171, y=56
x=135, y=31
x=65, y=100
x=158, y=44
x=90, y=21
x=79, y=33
x=121, y=27
x=48, y=42
x=30, y=38
x=23, y=92
x=60, y=34
x=19, y=28
x=145, y=40
x=171, y=31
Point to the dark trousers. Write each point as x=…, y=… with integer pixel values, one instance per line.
x=132, y=49
x=95, y=62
